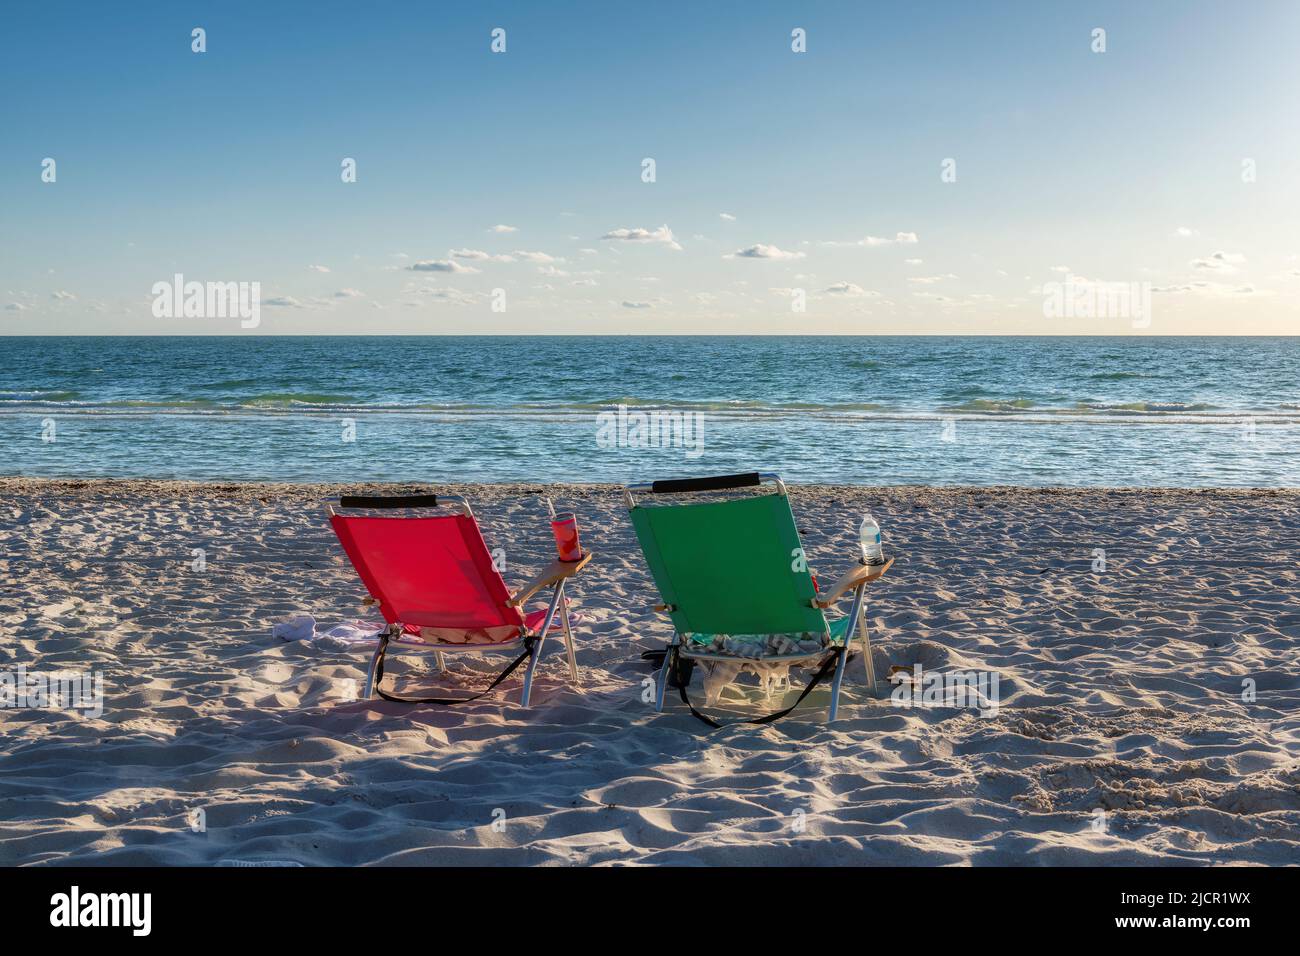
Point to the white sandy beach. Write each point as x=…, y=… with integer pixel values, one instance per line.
x=1121, y=691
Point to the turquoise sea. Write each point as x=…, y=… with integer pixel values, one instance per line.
x=1127, y=411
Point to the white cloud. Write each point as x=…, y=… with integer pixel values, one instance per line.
x=536, y=256
x=1185, y=232
x=662, y=235
x=62, y=296
x=1201, y=287
x=1224, y=262
x=900, y=239
x=319, y=268
x=454, y=296
x=15, y=307
x=503, y=228
x=912, y=262
x=930, y=280
x=479, y=254
x=761, y=251
x=440, y=265
x=284, y=302
x=727, y=216
x=637, y=305
x=849, y=290
x=348, y=294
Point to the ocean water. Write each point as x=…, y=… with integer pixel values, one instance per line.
x=1124, y=411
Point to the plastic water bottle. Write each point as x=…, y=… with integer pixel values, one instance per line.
x=869, y=539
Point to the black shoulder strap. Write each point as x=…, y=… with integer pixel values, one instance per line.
x=673, y=486
x=388, y=501
x=443, y=701
x=827, y=666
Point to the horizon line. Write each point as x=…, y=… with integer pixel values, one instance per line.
x=662, y=335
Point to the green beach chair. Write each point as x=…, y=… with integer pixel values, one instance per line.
x=732, y=576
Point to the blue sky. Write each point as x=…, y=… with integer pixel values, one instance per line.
x=1123, y=166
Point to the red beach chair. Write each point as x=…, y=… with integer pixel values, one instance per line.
x=432, y=577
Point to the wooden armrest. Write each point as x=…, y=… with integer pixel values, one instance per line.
x=555, y=572
x=857, y=575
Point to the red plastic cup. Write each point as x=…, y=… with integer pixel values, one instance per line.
x=565, y=528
